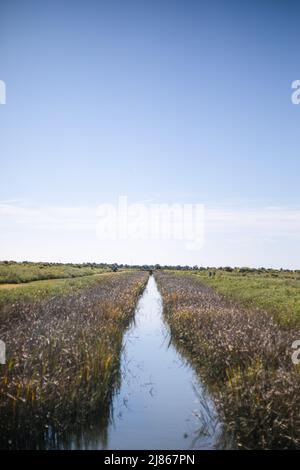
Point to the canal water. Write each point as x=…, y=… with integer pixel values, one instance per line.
x=160, y=404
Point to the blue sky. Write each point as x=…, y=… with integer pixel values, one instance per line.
x=163, y=101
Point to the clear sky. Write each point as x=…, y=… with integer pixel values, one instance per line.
x=161, y=101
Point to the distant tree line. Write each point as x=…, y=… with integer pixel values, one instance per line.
x=152, y=267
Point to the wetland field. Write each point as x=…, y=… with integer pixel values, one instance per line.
x=108, y=357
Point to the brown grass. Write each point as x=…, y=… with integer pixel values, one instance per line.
x=63, y=359
x=245, y=358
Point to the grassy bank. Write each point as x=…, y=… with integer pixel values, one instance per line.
x=36, y=291
x=243, y=355
x=277, y=292
x=63, y=357
x=15, y=273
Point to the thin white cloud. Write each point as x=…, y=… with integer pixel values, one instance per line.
x=235, y=235
x=266, y=220
x=19, y=216
x=278, y=221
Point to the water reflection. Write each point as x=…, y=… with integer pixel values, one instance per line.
x=160, y=404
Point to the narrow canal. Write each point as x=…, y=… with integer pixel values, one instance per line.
x=161, y=403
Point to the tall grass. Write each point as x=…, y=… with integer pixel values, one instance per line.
x=36, y=291
x=277, y=292
x=245, y=358
x=63, y=360
x=17, y=273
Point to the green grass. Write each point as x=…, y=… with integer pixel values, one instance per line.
x=16, y=273
x=39, y=290
x=275, y=292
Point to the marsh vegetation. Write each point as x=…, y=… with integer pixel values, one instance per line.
x=244, y=356
x=64, y=373
x=12, y=272
x=63, y=356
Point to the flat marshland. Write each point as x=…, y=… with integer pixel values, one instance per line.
x=63, y=351
x=274, y=291
x=241, y=350
x=16, y=273
x=64, y=325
